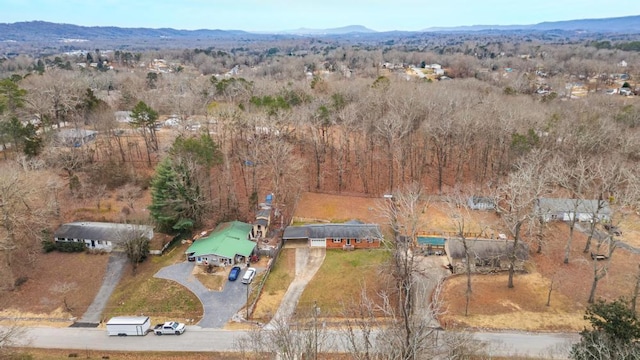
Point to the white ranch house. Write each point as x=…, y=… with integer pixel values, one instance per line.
x=550, y=209
x=100, y=235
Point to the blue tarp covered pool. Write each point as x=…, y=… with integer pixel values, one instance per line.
x=433, y=241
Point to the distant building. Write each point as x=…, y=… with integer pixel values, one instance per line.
x=481, y=203
x=75, y=137
x=123, y=116
x=566, y=209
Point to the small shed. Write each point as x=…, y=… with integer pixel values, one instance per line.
x=487, y=255
x=261, y=223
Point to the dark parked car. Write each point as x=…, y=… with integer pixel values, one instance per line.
x=234, y=273
x=613, y=229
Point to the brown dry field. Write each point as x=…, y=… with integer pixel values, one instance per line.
x=435, y=219
x=438, y=218
x=315, y=207
x=55, y=277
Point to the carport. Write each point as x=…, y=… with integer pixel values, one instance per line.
x=299, y=236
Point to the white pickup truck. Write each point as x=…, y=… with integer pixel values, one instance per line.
x=169, y=328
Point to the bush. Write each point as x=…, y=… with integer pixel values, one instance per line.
x=48, y=246
x=70, y=247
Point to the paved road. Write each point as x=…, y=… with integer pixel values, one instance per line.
x=308, y=261
x=219, y=306
x=548, y=345
x=115, y=268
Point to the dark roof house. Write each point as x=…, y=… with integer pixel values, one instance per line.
x=101, y=235
x=486, y=254
x=350, y=234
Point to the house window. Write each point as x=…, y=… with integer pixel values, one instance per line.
x=337, y=241
x=358, y=241
x=370, y=241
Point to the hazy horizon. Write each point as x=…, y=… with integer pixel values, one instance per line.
x=281, y=15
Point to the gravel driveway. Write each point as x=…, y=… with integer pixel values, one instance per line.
x=115, y=268
x=219, y=306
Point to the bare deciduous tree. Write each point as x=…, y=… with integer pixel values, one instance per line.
x=306, y=338
x=135, y=244
x=526, y=184
x=21, y=218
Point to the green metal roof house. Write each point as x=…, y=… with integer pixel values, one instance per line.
x=228, y=244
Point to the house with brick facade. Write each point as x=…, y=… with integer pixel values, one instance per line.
x=346, y=236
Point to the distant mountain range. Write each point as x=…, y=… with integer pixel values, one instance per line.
x=41, y=31
x=351, y=29
x=626, y=24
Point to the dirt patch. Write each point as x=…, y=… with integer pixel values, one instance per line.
x=440, y=218
x=55, y=279
x=213, y=281
x=314, y=207
x=494, y=306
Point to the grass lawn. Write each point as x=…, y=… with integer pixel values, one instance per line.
x=276, y=285
x=162, y=299
x=341, y=278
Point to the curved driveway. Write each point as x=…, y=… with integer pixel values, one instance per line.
x=219, y=306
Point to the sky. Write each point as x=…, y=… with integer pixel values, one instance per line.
x=279, y=15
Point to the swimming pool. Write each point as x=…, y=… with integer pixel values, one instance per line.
x=429, y=240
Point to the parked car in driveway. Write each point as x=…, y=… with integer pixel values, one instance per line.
x=234, y=273
x=249, y=275
x=613, y=229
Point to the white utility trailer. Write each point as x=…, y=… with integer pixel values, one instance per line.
x=128, y=325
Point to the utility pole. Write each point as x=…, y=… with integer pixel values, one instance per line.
x=248, y=286
x=315, y=329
